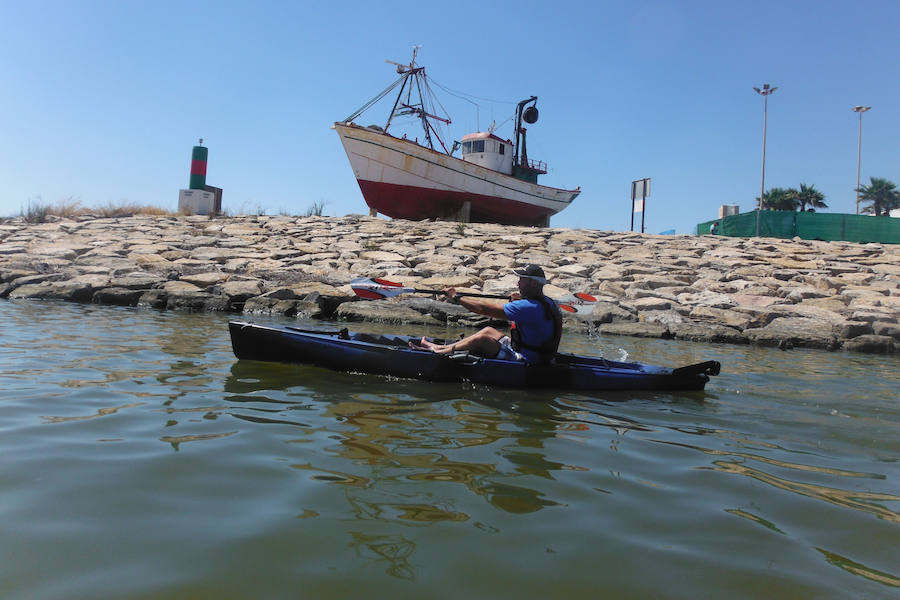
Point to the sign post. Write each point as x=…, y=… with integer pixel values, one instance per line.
x=640, y=191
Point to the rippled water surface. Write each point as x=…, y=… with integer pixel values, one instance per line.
x=140, y=459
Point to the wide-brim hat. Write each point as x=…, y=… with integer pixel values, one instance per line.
x=532, y=272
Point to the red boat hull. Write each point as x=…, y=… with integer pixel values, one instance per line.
x=415, y=203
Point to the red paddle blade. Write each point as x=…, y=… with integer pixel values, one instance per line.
x=585, y=297
x=368, y=294
x=386, y=282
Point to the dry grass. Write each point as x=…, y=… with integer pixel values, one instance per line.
x=38, y=212
x=122, y=210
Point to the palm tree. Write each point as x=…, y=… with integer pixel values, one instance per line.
x=808, y=195
x=778, y=199
x=882, y=194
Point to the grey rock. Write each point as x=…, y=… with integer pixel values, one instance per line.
x=137, y=281
x=238, y=291
x=707, y=333
x=280, y=294
x=36, y=279
x=383, y=311
x=198, y=302
x=651, y=304
x=153, y=299
x=71, y=291
x=854, y=329
x=607, y=312
x=873, y=344
x=649, y=330
x=117, y=296
x=262, y=305
x=729, y=318
x=888, y=329
x=796, y=332
x=12, y=249
x=665, y=317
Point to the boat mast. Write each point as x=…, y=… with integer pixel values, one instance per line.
x=405, y=72
x=424, y=116
x=405, y=78
x=408, y=108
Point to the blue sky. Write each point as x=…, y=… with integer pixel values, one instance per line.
x=101, y=102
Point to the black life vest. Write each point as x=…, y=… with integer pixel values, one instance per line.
x=547, y=350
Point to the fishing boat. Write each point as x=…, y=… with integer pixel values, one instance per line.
x=344, y=350
x=492, y=181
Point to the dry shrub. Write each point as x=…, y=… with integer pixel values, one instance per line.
x=38, y=212
x=128, y=209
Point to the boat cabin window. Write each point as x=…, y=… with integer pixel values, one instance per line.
x=502, y=148
x=476, y=146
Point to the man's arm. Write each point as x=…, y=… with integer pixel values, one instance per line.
x=479, y=306
x=483, y=307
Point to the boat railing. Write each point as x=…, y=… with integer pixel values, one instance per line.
x=535, y=165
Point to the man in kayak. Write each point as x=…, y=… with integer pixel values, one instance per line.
x=535, y=323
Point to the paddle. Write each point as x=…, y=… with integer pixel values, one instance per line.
x=379, y=289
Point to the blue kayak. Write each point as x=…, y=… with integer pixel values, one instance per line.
x=391, y=355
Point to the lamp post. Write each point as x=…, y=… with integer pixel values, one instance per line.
x=764, y=92
x=860, y=110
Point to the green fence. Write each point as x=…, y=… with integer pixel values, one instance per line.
x=809, y=226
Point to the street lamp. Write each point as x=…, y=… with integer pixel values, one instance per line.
x=860, y=110
x=765, y=91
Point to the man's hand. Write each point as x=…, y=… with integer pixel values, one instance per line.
x=515, y=296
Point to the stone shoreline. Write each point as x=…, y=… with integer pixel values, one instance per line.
x=771, y=292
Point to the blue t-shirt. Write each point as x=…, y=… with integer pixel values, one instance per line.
x=532, y=322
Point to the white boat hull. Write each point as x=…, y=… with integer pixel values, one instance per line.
x=403, y=180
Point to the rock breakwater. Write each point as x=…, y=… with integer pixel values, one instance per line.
x=784, y=293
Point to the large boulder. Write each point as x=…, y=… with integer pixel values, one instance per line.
x=383, y=311
x=117, y=296
x=729, y=318
x=873, y=344
x=695, y=332
x=888, y=329
x=649, y=330
x=605, y=312
x=790, y=332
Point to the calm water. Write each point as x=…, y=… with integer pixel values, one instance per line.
x=141, y=460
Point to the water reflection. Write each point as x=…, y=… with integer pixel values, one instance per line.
x=102, y=412
x=755, y=518
x=857, y=500
x=862, y=501
x=859, y=569
x=405, y=437
x=177, y=440
x=395, y=550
